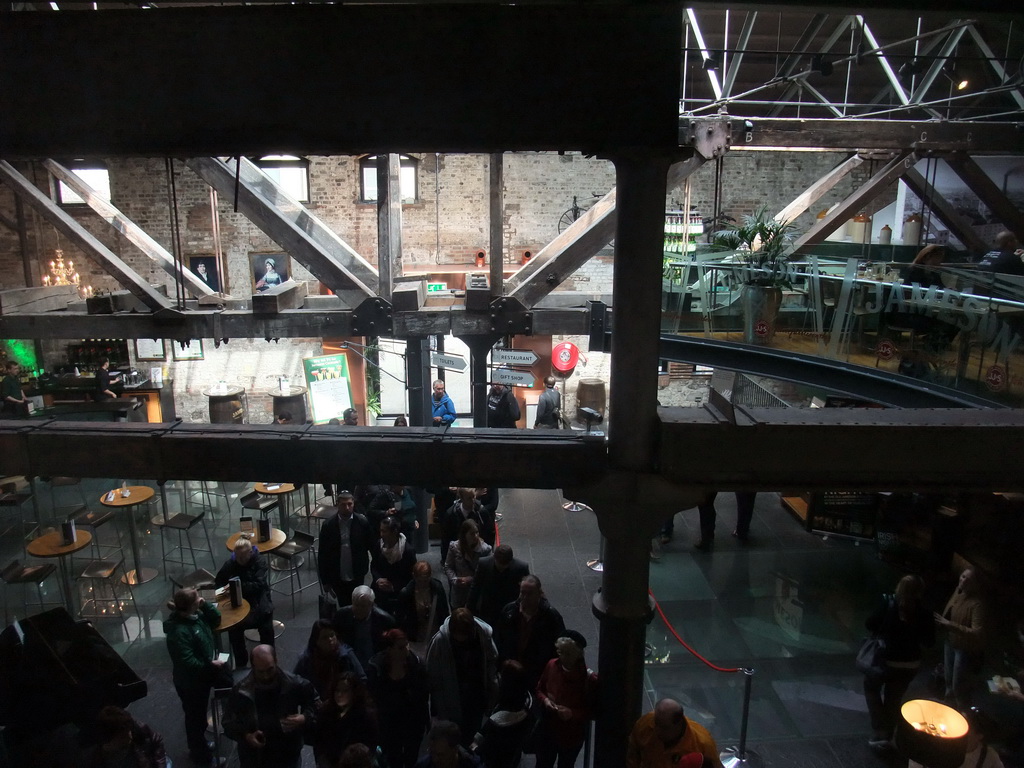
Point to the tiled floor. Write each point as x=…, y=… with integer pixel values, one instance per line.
x=788, y=605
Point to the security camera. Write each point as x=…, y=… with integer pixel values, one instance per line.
x=591, y=416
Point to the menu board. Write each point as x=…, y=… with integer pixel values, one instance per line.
x=330, y=391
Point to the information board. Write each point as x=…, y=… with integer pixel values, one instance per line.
x=330, y=391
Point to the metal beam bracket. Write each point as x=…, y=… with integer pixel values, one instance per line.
x=710, y=137
x=509, y=316
x=373, y=317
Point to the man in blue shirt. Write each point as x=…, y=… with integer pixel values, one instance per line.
x=442, y=406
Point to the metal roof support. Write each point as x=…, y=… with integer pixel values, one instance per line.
x=786, y=70
x=996, y=64
x=741, y=47
x=894, y=81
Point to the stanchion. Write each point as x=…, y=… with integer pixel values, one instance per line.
x=597, y=564
x=575, y=506
x=740, y=755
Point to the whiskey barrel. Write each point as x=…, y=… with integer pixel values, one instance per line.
x=292, y=402
x=227, y=406
x=591, y=394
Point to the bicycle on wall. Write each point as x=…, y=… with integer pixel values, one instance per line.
x=566, y=220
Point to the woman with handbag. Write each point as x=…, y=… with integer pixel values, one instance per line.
x=903, y=625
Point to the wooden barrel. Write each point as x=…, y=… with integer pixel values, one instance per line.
x=227, y=406
x=590, y=394
x=292, y=403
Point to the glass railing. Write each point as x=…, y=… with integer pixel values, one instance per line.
x=952, y=325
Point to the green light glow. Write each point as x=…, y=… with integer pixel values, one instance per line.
x=22, y=352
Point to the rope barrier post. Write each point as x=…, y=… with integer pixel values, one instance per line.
x=740, y=755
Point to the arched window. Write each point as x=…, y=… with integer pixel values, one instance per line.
x=291, y=174
x=408, y=179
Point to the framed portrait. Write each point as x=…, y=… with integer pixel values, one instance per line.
x=194, y=351
x=269, y=270
x=205, y=268
x=150, y=349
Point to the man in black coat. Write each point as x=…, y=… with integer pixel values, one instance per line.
x=362, y=625
x=250, y=567
x=496, y=584
x=527, y=629
x=344, y=554
x=502, y=407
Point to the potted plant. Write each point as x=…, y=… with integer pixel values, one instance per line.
x=761, y=247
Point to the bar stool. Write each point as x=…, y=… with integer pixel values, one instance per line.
x=183, y=523
x=198, y=579
x=65, y=482
x=12, y=498
x=320, y=513
x=101, y=579
x=299, y=542
x=16, y=573
x=256, y=501
x=83, y=516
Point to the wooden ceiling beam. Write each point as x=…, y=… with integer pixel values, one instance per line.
x=102, y=256
x=132, y=232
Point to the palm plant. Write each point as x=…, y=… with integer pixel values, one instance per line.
x=763, y=244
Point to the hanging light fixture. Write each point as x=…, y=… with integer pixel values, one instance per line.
x=63, y=273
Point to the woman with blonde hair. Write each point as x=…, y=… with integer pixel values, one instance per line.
x=904, y=625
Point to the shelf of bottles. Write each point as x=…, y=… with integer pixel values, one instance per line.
x=682, y=230
x=86, y=354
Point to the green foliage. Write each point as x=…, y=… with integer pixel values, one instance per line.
x=761, y=243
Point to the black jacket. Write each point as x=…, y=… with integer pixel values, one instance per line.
x=295, y=695
x=502, y=409
x=406, y=611
x=540, y=647
x=452, y=520
x=493, y=589
x=329, y=553
x=380, y=622
x=255, y=586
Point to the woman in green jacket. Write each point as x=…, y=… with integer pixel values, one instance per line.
x=193, y=650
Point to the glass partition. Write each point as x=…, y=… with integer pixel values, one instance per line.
x=950, y=325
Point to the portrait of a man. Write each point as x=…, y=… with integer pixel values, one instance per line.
x=205, y=268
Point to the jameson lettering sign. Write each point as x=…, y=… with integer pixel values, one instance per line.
x=330, y=391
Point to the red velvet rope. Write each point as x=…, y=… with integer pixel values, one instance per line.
x=683, y=643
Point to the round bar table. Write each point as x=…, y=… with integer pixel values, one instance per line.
x=138, y=494
x=277, y=538
x=229, y=615
x=284, y=490
x=52, y=545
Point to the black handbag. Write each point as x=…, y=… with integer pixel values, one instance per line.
x=871, y=657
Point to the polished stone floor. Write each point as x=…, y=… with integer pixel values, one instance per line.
x=788, y=605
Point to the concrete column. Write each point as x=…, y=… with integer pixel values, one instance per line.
x=636, y=298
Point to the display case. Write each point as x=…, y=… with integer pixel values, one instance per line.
x=853, y=514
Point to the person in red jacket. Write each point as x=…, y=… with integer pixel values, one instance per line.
x=567, y=692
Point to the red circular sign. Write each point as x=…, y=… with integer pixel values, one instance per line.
x=886, y=349
x=995, y=378
x=761, y=328
x=565, y=356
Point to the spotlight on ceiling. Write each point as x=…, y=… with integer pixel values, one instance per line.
x=711, y=61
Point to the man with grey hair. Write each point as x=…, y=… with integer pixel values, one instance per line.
x=362, y=625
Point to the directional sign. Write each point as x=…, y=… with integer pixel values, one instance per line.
x=451, y=362
x=513, y=378
x=513, y=356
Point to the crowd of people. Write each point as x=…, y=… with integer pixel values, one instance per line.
x=476, y=663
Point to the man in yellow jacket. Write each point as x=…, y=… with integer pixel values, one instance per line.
x=665, y=738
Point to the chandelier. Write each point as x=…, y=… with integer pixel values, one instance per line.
x=63, y=273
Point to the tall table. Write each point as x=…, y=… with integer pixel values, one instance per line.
x=52, y=545
x=138, y=494
x=277, y=538
x=284, y=491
